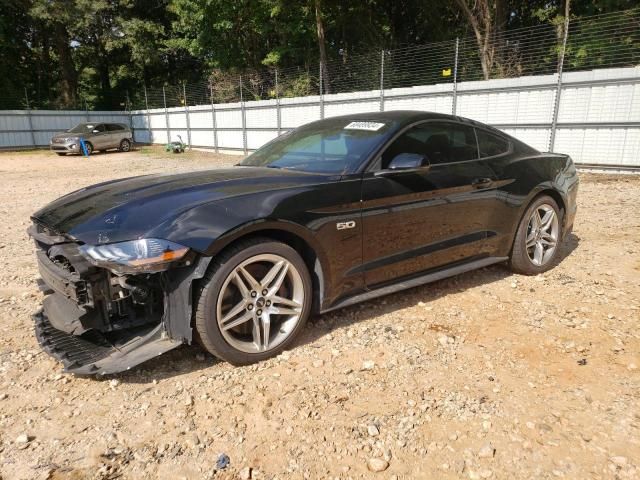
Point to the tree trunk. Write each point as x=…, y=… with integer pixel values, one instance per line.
x=487, y=23
x=69, y=80
x=105, y=81
x=322, y=47
x=560, y=33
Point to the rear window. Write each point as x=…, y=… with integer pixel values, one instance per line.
x=491, y=145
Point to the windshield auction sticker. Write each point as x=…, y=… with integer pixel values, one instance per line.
x=371, y=126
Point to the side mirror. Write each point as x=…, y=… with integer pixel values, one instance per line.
x=408, y=161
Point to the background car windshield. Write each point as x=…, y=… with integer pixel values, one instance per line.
x=83, y=128
x=337, y=146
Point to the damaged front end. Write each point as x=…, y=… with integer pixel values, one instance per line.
x=108, y=308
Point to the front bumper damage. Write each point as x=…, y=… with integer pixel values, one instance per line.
x=98, y=322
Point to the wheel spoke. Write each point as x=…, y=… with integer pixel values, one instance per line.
x=285, y=301
x=239, y=321
x=234, y=312
x=285, y=311
x=538, y=254
x=277, y=283
x=548, y=240
x=547, y=220
x=257, y=333
x=246, y=276
x=531, y=239
x=266, y=327
x=244, y=291
x=535, y=220
x=273, y=273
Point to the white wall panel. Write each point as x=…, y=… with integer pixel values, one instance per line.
x=295, y=115
x=517, y=104
x=255, y=139
x=261, y=117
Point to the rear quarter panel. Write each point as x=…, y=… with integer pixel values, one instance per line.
x=527, y=176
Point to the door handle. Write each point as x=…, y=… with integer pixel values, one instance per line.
x=482, y=182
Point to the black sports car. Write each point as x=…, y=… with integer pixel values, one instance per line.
x=333, y=213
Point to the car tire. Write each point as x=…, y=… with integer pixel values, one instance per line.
x=125, y=145
x=239, y=338
x=537, y=241
x=90, y=149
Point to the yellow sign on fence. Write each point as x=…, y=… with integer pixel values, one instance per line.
x=446, y=72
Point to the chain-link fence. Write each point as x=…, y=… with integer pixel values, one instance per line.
x=602, y=41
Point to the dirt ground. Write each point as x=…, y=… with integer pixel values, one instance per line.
x=484, y=375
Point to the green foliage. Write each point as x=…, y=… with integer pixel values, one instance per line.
x=100, y=53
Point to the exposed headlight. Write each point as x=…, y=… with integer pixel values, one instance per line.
x=144, y=255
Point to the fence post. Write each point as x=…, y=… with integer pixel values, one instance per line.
x=244, y=120
x=556, y=103
x=128, y=106
x=214, y=123
x=30, y=122
x=166, y=115
x=278, y=113
x=382, y=81
x=146, y=104
x=321, y=92
x=86, y=110
x=454, y=104
x=186, y=112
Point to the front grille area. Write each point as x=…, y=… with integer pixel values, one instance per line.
x=85, y=297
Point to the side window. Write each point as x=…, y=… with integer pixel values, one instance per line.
x=100, y=127
x=440, y=142
x=491, y=145
x=113, y=127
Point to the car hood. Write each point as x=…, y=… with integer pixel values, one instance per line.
x=67, y=135
x=126, y=209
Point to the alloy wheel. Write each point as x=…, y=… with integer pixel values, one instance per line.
x=260, y=303
x=542, y=234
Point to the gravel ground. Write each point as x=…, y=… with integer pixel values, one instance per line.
x=484, y=375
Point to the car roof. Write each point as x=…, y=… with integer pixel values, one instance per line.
x=405, y=117
x=402, y=118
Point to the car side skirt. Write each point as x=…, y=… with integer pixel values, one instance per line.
x=416, y=281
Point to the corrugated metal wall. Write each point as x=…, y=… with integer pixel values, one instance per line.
x=598, y=117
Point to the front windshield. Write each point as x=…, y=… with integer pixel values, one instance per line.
x=83, y=128
x=332, y=146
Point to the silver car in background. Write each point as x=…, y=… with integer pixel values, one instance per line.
x=96, y=136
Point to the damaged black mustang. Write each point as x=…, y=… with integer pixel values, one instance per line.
x=336, y=212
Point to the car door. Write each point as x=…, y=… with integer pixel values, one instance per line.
x=114, y=133
x=420, y=219
x=99, y=137
x=499, y=152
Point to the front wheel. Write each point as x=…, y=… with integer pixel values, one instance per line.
x=535, y=247
x=254, y=301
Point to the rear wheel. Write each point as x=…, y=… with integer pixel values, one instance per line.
x=254, y=301
x=125, y=145
x=535, y=247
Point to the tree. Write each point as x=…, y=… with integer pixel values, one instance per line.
x=53, y=17
x=487, y=19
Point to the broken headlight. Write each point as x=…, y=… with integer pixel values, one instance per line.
x=144, y=255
